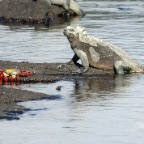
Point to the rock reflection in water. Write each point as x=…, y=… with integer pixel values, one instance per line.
x=44, y=28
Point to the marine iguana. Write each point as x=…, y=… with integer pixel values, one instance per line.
x=68, y=5
x=99, y=54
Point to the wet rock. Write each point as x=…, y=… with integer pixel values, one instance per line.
x=51, y=72
x=29, y=11
x=9, y=98
x=58, y=88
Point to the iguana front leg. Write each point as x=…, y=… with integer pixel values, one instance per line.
x=84, y=59
x=74, y=60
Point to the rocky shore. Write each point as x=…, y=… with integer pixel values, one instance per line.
x=43, y=73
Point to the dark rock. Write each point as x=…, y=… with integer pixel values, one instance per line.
x=51, y=72
x=58, y=88
x=29, y=11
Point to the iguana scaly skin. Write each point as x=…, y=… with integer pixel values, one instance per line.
x=99, y=54
x=68, y=5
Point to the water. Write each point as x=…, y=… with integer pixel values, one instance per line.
x=87, y=111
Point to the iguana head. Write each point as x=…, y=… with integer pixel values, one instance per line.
x=72, y=32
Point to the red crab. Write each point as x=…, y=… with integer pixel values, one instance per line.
x=13, y=75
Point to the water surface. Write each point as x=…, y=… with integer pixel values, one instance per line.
x=87, y=111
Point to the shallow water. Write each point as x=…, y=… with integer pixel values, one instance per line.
x=87, y=111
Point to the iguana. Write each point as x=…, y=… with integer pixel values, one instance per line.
x=67, y=5
x=99, y=54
